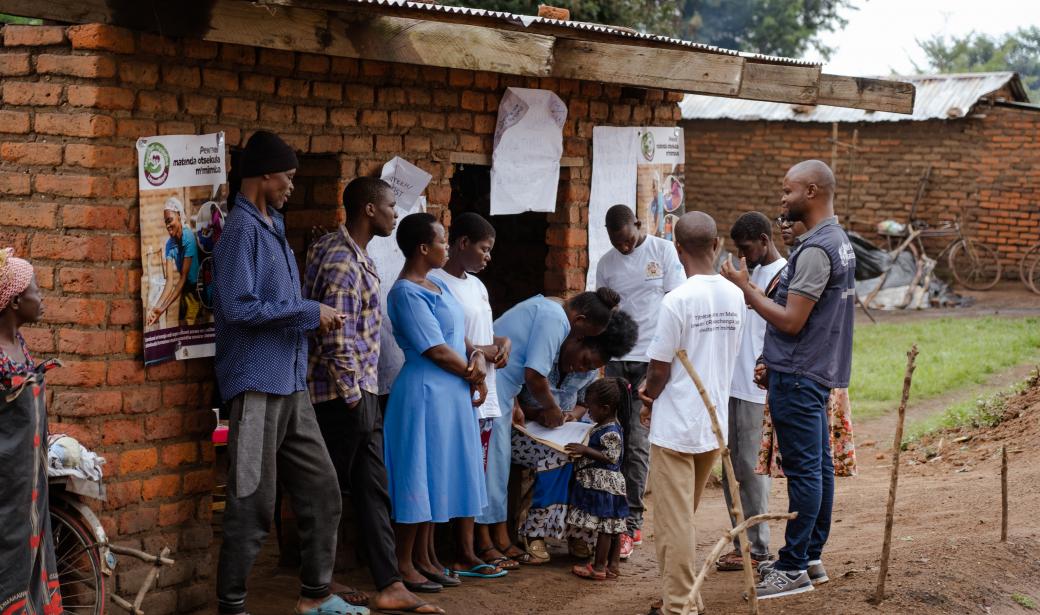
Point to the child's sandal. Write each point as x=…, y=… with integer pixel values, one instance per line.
x=586, y=571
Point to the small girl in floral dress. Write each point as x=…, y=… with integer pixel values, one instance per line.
x=598, y=501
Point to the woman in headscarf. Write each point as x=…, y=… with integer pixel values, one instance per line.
x=182, y=256
x=28, y=574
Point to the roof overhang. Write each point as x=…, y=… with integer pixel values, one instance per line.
x=472, y=39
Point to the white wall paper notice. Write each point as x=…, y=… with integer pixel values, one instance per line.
x=614, y=158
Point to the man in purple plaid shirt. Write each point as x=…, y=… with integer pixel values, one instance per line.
x=342, y=381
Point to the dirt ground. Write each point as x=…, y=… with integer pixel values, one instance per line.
x=946, y=554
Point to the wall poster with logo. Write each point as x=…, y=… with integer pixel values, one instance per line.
x=182, y=184
x=639, y=167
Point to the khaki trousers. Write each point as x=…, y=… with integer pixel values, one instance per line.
x=677, y=481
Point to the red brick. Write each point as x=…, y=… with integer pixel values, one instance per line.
x=14, y=183
x=277, y=58
x=157, y=102
x=78, y=373
x=472, y=101
x=125, y=313
x=125, y=372
x=174, y=455
x=176, y=513
x=293, y=88
x=162, y=486
x=126, y=248
x=237, y=54
x=76, y=66
x=404, y=119
x=263, y=84
x=239, y=108
x=312, y=63
x=138, y=519
x=343, y=118
x=101, y=36
x=460, y=121
x=157, y=45
x=279, y=114
x=566, y=237
x=44, y=277
x=90, y=342
x=326, y=144
x=346, y=67
x=181, y=76
x=75, y=124
x=39, y=338
x=84, y=403
x=199, y=50
x=100, y=97
x=132, y=128
x=200, y=105
x=138, y=460
x=14, y=122
x=31, y=154
x=14, y=64
x=416, y=144
x=72, y=185
x=122, y=493
x=180, y=394
x=388, y=143
x=460, y=78
x=94, y=217
x=471, y=143
x=171, y=370
x=214, y=79
x=484, y=124
x=327, y=90
x=357, y=143
x=390, y=97
x=70, y=247
x=93, y=280
x=31, y=93
x=485, y=80
x=360, y=94
x=176, y=128
x=122, y=431
x=372, y=68
x=142, y=400
x=141, y=73
x=374, y=118
x=99, y=157
x=31, y=214
x=33, y=36
x=164, y=426
x=310, y=115
x=201, y=481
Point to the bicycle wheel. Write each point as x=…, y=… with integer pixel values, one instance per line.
x=974, y=265
x=80, y=580
x=1033, y=279
x=1026, y=264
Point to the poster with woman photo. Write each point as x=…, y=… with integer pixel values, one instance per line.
x=660, y=190
x=182, y=182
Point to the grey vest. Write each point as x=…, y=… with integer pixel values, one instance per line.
x=822, y=350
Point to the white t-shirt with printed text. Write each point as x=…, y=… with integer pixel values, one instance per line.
x=744, y=386
x=642, y=278
x=473, y=296
x=705, y=317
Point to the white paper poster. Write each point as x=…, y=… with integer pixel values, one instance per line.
x=638, y=167
x=407, y=180
x=182, y=182
x=525, y=167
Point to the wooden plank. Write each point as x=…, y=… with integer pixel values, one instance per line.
x=70, y=11
x=672, y=69
x=780, y=83
x=869, y=94
x=485, y=159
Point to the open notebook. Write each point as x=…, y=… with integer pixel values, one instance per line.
x=558, y=437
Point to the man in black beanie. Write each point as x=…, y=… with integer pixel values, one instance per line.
x=261, y=323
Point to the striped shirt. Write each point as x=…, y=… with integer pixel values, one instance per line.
x=344, y=362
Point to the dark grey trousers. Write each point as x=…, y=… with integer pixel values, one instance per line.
x=745, y=440
x=275, y=438
x=636, y=463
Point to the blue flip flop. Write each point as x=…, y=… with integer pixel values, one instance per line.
x=334, y=605
x=474, y=572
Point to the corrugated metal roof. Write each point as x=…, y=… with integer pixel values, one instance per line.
x=529, y=20
x=938, y=97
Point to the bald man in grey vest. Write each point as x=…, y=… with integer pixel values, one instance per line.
x=807, y=352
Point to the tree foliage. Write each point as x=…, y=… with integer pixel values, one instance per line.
x=1017, y=51
x=774, y=27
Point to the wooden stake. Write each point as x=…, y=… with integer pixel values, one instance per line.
x=1003, y=494
x=897, y=446
x=734, y=489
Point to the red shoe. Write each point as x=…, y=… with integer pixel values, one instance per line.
x=627, y=546
x=637, y=537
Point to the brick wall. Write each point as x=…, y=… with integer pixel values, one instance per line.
x=988, y=167
x=74, y=101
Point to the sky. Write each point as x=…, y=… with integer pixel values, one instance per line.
x=881, y=35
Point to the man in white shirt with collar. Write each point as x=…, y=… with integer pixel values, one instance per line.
x=641, y=268
x=704, y=316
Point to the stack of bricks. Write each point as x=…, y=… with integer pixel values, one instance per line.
x=74, y=102
x=986, y=166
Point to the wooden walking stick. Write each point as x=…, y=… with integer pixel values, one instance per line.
x=1003, y=494
x=734, y=487
x=897, y=445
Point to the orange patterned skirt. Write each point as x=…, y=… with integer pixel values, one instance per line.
x=843, y=447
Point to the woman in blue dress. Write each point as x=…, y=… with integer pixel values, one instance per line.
x=431, y=437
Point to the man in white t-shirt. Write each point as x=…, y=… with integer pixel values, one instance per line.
x=641, y=268
x=704, y=316
x=752, y=234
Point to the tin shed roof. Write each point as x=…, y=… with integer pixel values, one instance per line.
x=938, y=97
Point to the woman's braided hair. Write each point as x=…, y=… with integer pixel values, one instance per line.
x=610, y=392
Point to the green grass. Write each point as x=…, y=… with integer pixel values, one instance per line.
x=982, y=412
x=1024, y=600
x=954, y=353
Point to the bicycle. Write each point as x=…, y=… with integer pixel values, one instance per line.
x=1029, y=268
x=85, y=558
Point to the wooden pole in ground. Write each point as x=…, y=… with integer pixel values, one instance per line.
x=897, y=446
x=1003, y=494
x=734, y=488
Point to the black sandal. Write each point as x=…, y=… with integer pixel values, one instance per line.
x=503, y=562
x=447, y=580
